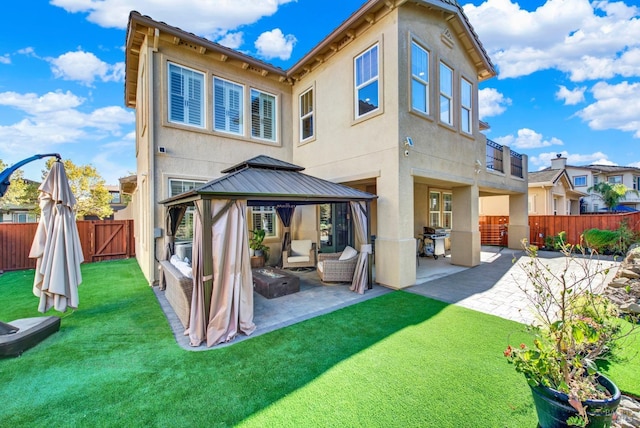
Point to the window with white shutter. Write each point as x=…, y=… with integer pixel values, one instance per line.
x=227, y=111
x=263, y=115
x=186, y=101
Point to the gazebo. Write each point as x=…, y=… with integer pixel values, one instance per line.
x=222, y=303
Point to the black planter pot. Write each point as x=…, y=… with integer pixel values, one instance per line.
x=553, y=407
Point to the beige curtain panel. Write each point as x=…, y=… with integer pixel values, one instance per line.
x=230, y=308
x=360, y=276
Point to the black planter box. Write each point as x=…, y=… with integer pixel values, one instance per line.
x=272, y=283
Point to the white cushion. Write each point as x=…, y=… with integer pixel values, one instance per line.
x=301, y=247
x=348, y=253
x=184, y=267
x=320, y=267
x=298, y=259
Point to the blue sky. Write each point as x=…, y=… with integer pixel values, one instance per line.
x=569, y=72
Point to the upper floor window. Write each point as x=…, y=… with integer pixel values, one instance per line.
x=580, y=180
x=466, y=116
x=263, y=115
x=186, y=100
x=306, y=115
x=367, y=82
x=419, y=78
x=446, y=94
x=595, y=179
x=615, y=179
x=227, y=106
x=636, y=182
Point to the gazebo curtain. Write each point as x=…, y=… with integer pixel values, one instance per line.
x=230, y=308
x=285, y=212
x=173, y=219
x=361, y=274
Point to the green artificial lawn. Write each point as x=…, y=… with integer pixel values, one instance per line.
x=396, y=360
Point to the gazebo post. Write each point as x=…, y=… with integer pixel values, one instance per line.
x=207, y=253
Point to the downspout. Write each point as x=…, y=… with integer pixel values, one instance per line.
x=151, y=177
x=151, y=148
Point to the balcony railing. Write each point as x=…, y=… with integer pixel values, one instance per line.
x=495, y=160
x=494, y=156
x=516, y=164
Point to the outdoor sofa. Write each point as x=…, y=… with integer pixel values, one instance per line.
x=179, y=289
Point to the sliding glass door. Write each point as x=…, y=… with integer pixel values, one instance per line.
x=336, y=231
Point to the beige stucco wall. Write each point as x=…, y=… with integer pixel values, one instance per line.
x=192, y=153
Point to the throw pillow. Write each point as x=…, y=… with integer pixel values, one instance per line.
x=348, y=253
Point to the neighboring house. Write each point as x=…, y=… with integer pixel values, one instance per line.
x=585, y=177
x=550, y=192
x=11, y=213
x=18, y=214
x=118, y=201
x=386, y=103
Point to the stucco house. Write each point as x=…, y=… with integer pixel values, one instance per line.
x=551, y=192
x=387, y=103
x=587, y=176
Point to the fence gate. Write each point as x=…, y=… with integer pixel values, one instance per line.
x=109, y=240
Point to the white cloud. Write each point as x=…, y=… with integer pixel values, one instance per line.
x=491, y=102
x=85, y=68
x=232, y=40
x=616, y=107
x=527, y=139
x=635, y=164
x=56, y=118
x=571, y=97
x=33, y=104
x=543, y=160
x=274, y=44
x=587, y=41
x=29, y=51
x=5, y=59
x=212, y=17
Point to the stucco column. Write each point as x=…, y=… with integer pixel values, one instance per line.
x=465, y=234
x=518, y=220
x=395, y=257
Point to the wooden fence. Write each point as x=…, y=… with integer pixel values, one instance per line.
x=493, y=230
x=100, y=240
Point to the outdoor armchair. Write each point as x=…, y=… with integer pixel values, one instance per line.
x=331, y=269
x=302, y=253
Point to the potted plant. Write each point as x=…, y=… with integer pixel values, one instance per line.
x=575, y=328
x=256, y=243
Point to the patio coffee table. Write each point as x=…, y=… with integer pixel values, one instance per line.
x=272, y=282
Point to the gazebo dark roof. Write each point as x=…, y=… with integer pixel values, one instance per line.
x=264, y=180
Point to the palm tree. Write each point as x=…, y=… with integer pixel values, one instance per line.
x=611, y=194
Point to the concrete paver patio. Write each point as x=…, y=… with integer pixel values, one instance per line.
x=491, y=287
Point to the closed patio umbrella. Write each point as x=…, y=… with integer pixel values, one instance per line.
x=56, y=245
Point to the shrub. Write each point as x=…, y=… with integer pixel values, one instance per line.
x=600, y=240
